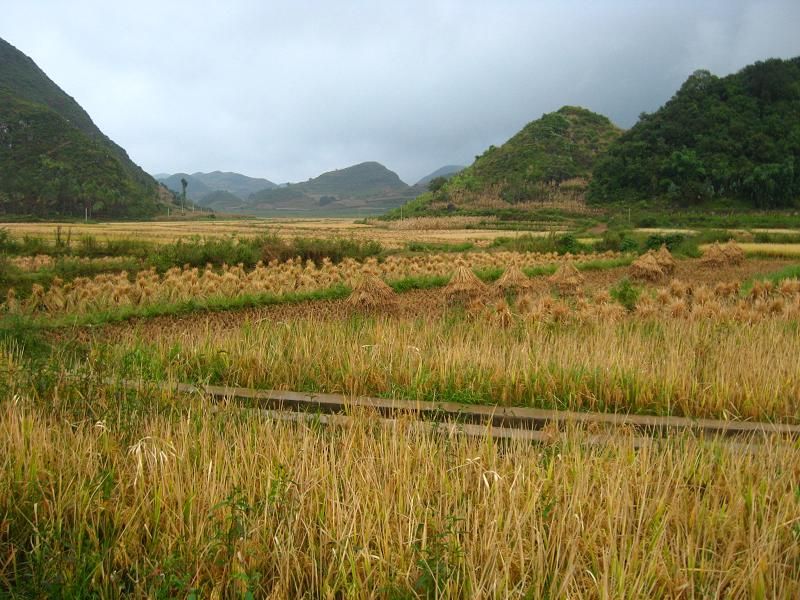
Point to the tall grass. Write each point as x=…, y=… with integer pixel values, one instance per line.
x=650, y=366
x=152, y=496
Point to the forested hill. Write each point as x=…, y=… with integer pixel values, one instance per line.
x=734, y=137
x=365, y=186
x=548, y=157
x=54, y=161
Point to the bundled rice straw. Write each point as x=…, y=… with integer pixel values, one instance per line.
x=513, y=280
x=720, y=255
x=646, y=268
x=664, y=259
x=733, y=253
x=371, y=292
x=567, y=279
x=464, y=286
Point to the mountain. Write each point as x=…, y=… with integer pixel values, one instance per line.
x=196, y=190
x=361, y=180
x=217, y=189
x=734, y=137
x=365, y=186
x=446, y=171
x=54, y=161
x=223, y=201
x=549, y=159
x=235, y=183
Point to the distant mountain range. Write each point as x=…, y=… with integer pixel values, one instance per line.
x=447, y=171
x=54, y=161
x=365, y=187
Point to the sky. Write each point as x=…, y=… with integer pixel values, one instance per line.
x=288, y=90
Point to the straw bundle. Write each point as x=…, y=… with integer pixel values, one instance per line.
x=513, y=280
x=646, y=268
x=665, y=260
x=371, y=292
x=464, y=286
x=567, y=279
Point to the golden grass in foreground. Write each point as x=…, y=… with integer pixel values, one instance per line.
x=703, y=367
x=225, y=503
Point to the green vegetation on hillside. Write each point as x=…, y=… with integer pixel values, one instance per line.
x=54, y=161
x=52, y=169
x=549, y=159
x=734, y=137
x=364, y=186
x=364, y=179
x=218, y=188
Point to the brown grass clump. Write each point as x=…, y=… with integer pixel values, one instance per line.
x=646, y=268
x=789, y=287
x=464, y=286
x=567, y=279
x=761, y=290
x=513, y=280
x=501, y=314
x=525, y=304
x=726, y=290
x=646, y=307
x=371, y=292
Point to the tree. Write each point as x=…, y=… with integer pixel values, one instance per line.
x=184, y=184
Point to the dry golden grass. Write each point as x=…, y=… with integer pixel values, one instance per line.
x=395, y=236
x=45, y=261
x=681, y=355
x=222, y=504
x=436, y=223
x=784, y=250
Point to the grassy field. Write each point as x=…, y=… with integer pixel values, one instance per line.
x=111, y=492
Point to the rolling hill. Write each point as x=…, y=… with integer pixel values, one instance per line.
x=54, y=161
x=735, y=137
x=196, y=190
x=446, y=171
x=549, y=159
x=367, y=186
x=201, y=185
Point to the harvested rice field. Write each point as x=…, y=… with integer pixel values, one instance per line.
x=109, y=489
x=422, y=230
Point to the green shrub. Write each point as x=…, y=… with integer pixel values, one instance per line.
x=626, y=293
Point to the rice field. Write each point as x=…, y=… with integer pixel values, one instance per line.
x=111, y=492
x=441, y=230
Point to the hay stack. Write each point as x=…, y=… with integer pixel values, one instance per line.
x=371, y=292
x=464, y=286
x=513, y=280
x=567, y=279
x=646, y=268
x=733, y=253
x=714, y=256
x=664, y=259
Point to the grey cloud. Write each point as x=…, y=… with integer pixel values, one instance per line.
x=286, y=90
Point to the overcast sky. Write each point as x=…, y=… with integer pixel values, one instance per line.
x=287, y=90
